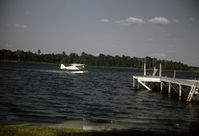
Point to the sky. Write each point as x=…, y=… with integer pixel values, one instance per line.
x=165, y=29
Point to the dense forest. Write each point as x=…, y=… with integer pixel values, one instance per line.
x=88, y=59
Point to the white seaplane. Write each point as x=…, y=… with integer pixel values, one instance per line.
x=74, y=68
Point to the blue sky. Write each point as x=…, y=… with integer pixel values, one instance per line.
x=166, y=29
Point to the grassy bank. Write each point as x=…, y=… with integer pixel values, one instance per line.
x=37, y=131
x=6, y=130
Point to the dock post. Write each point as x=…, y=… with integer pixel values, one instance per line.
x=160, y=71
x=144, y=69
x=138, y=85
x=174, y=74
x=180, y=90
x=161, y=86
x=169, y=90
x=133, y=82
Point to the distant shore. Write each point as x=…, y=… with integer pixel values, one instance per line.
x=31, y=62
x=92, y=66
x=89, y=59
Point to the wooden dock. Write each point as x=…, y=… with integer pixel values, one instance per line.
x=186, y=86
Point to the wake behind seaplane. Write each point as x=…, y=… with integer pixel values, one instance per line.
x=74, y=68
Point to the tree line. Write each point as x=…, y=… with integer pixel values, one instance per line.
x=88, y=59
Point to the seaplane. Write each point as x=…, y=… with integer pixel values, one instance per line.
x=74, y=68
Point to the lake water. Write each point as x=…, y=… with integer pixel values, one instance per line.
x=103, y=98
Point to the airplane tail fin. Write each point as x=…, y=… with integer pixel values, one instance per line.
x=62, y=66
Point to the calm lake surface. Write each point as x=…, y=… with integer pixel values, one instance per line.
x=103, y=98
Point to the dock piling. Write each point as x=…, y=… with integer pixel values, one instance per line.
x=144, y=69
x=174, y=74
x=169, y=89
x=161, y=87
x=180, y=90
x=133, y=83
x=160, y=70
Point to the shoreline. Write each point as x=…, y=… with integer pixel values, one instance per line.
x=94, y=66
x=18, y=130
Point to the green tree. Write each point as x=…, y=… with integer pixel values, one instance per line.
x=19, y=54
x=101, y=60
x=38, y=51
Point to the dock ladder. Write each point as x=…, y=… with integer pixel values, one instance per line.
x=191, y=93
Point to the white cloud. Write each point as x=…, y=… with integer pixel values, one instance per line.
x=24, y=26
x=159, y=20
x=191, y=19
x=133, y=20
x=105, y=20
x=176, y=21
x=17, y=25
x=20, y=26
x=130, y=21
x=149, y=39
x=122, y=22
